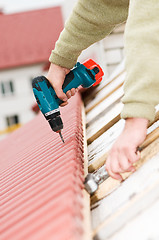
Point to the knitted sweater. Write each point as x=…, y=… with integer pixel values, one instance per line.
x=93, y=20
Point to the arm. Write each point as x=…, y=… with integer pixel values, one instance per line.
x=141, y=85
x=90, y=21
x=123, y=154
x=141, y=49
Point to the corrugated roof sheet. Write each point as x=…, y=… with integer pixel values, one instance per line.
x=29, y=37
x=42, y=179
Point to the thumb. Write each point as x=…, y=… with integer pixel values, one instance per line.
x=59, y=92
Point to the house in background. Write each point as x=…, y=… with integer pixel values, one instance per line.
x=26, y=43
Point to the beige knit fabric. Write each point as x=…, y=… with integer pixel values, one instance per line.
x=92, y=20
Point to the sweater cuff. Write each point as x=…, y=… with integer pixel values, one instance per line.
x=61, y=61
x=138, y=110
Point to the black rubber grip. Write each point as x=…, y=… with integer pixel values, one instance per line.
x=60, y=101
x=69, y=77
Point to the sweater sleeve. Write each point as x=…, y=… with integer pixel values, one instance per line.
x=90, y=21
x=141, y=88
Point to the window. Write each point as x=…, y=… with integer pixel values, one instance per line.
x=7, y=88
x=12, y=120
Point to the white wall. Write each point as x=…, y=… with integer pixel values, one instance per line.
x=67, y=7
x=112, y=49
x=21, y=101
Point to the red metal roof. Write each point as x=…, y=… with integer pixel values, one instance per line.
x=42, y=179
x=29, y=37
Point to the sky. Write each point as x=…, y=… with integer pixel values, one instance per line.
x=12, y=6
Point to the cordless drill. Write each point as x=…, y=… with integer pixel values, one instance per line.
x=87, y=74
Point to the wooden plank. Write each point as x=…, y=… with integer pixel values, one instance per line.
x=98, y=149
x=98, y=157
x=86, y=196
x=99, y=144
x=144, y=225
x=106, y=92
x=105, y=82
x=118, y=71
x=111, y=184
x=152, y=136
x=128, y=211
x=97, y=118
x=102, y=107
x=137, y=183
x=104, y=123
x=103, y=144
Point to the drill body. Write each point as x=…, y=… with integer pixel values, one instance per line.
x=86, y=74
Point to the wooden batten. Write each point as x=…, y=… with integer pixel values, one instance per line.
x=104, y=106
x=104, y=123
x=110, y=136
x=151, y=145
x=102, y=144
x=105, y=82
x=86, y=197
x=103, y=126
x=149, y=139
x=105, y=92
x=141, y=192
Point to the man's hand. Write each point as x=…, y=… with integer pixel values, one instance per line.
x=56, y=76
x=123, y=154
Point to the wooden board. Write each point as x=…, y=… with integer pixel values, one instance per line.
x=133, y=196
x=118, y=71
x=86, y=196
x=106, y=139
x=132, y=186
x=144, y=224
x=104, y=122
x=105, y=82
x=98, y=149
x=105, y=92
x=104, y=106
x=111, y=184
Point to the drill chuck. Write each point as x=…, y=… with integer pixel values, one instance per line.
x=56, y=123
